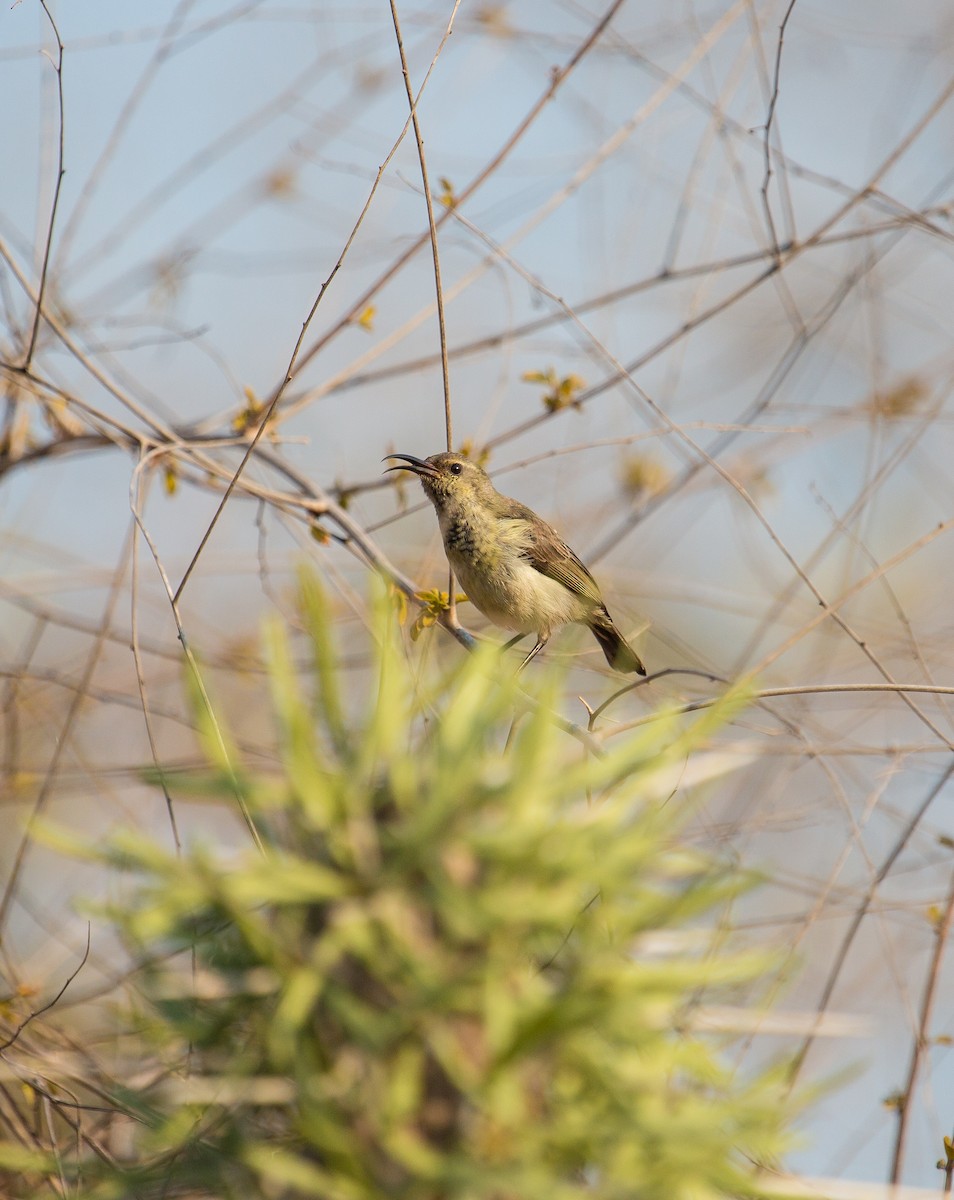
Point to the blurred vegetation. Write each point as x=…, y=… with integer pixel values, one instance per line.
x=445, y=978
x=696, y=271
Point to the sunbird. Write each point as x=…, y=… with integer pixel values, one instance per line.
x=514, y=567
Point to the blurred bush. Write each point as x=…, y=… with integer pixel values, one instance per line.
x=445, y=977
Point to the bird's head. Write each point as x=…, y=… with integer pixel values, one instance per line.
x=449, y=479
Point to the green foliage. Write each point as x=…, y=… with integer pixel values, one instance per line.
x=561, y=392
x=438, y=983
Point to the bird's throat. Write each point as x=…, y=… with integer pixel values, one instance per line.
x=462, y=537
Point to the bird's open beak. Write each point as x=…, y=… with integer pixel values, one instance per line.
x=417, y=465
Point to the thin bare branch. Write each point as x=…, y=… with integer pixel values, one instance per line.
x=54, y=206
x=46, y=790
x=50, y=1003
x=767, y=136
x=921, y=1040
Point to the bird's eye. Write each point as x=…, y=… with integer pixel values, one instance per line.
x=456, y=468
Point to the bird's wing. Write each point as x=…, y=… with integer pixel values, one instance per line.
x=549, y=554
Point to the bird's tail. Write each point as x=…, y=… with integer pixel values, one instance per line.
x=619, y=654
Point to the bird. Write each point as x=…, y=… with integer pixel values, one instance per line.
x=514, y=567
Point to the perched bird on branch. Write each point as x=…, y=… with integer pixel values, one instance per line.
x=514, y=567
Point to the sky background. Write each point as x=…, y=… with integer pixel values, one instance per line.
x=780, y=436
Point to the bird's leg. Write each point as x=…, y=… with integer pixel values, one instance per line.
x=542, y=638
x=513, y=641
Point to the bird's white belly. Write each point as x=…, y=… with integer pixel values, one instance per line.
x=518, y=597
